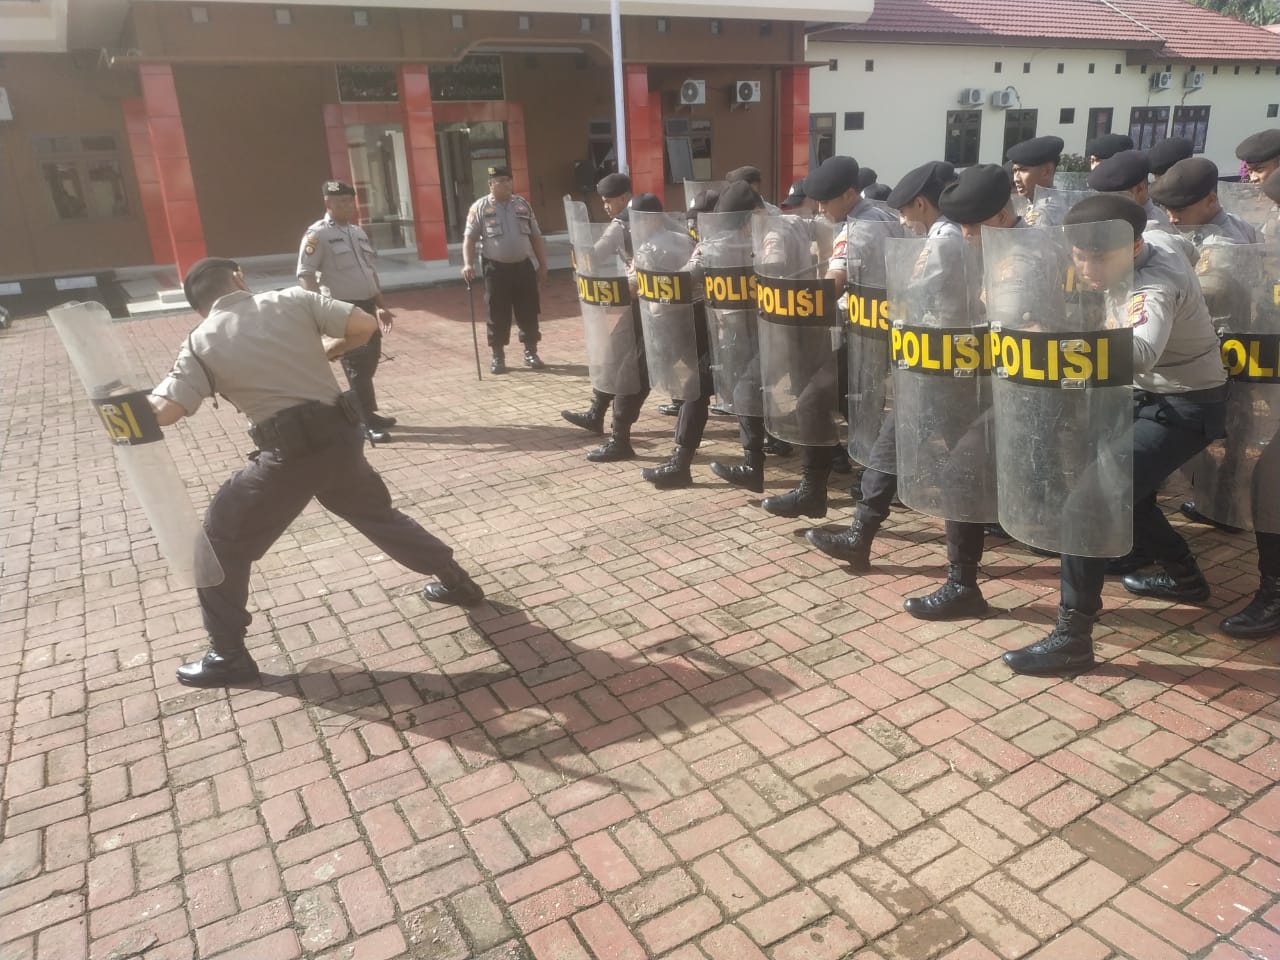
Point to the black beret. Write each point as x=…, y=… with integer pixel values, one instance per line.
x=1166, y=153
x=1102, y=207
x=1187, y=182
x=646, y=203
x=978, y=194
x=704, y=201
x=746, y=174
x=1108, y=145
x=926, y=180
x=738, y=196
x=834, y=177
x=336, y=188
x=613, y=185
x=1038, y=150
x=1271, y=186
x=1260, y=147
x=200, y=269
x=1126, y=169
x=499, y=172
x=877, y=191
x=866, y=177
x=795, y=196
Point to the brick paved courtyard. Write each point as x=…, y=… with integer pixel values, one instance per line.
x=674, y=730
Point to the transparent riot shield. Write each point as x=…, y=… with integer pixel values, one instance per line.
x=1058, y=302
x=946, y=454
x=1248, y=202
x=610, y=322
x=868, y=350
x=1076, y=180
x=1051, y=205
x=1237, y=480
x=799, y=328
x=665, y=285
x=694, y=187
x=725, y=252
x=118, y=388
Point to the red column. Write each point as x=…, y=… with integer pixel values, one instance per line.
x=793, y=148
x=644, y=130
x=424, y=167
x=144, y=169
x=172, y=165
x=517, y=149
x=335, y=136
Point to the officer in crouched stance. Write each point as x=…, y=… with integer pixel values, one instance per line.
x=264, y=354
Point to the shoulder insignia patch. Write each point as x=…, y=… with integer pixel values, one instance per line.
x=1138, y=310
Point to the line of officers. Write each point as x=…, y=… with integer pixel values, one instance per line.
x=1007, y=354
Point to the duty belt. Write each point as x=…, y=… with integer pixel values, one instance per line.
x=305, y=427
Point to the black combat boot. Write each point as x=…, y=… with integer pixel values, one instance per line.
x=591, y=419
x=227, y=669
x=1261, y=617
x=1131, y=562
x=1068, y=649
x=454, y=586
x=840, y=461
x=958, y=597
x=777, y=448
x=499, y=363
x=853, y=546
x=807, y=500
x=674, y=474
x=671, y=409
x=750, y=475
x=1178, y=580
x=617, y=447
x=532, y=360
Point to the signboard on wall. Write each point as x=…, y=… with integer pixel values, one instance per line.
x=367, y=83
x=477, y=77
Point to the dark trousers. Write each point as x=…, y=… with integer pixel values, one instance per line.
x=1169, y=429
x=361, y=364
x=627, y=406
x=511, y=288
x=1268, y=553
x=965, y=542
x=691, y=422
x=253, y=508
x=751, y=432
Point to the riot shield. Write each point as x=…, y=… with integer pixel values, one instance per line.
x=1076, y=180
x=117, y=388
x=694, y=187
x=799, y=328
x=608, y=319
x=1051, y=205
x=725, y=252
x=946, y=454
x=665, y=286
x=868, y=354
x=1063, y=355
x=1237, y=480
x=1248, y=202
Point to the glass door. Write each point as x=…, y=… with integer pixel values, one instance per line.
x=466, y=152
x=380, y=171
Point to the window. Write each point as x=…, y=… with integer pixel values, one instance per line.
x=586, y=25
x=1273, y=110
x=367, y=83
x=1119, y=69
x=688, y=149
x=854, y=121
x=1192, y=123
x=1067, y=115
x=964, y=134
x=870, y=66
x=1062, y=68
x=284, y=16
x=999, y=66
x=1026, y=68
x=1147, y=126
x=82, y=175
x=360, y=18
x=822, y=137
x=1099, y=122
x=457, y=21
x=524, y=23
x=1091, y=67
x=1019, y=125
x=200, y=15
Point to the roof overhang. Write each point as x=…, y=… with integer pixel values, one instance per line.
x=33, y=26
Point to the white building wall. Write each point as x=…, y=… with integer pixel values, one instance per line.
x=906, y=97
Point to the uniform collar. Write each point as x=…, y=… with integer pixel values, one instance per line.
x=227, y=300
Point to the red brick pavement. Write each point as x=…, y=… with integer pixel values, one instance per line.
x=674, y=731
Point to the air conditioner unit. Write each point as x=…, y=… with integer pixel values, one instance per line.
x=1162, y=80
x=1193, y=80
x=1002, y=98
x=693, y=92
x=746, y=91
x=971, y=97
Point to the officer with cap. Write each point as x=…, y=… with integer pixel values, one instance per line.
x=264, y=354
x=866, y=178
x=512, y=241
x=834, y=185
x=878, y=191
x=617, y=199
x=797, y=202
x=916, y=199
x=1189, y=191
x=337, y=258
x=1035, y=161
x=1261, y=154
x=1165, y=153
x=1126, y=172
x=1105, y=146
x=1179, y=409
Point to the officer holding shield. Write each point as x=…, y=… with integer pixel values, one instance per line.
x=1034, y=161
x=1165, y=153
x=1127, y=172
x=1189, y=191
x=1260, y=153
x=1105, y=146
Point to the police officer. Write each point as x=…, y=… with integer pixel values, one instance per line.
x=264, y=354
x=1261, y=154
x=1189, y=191
x=337, y=258
x=1165, y=153
x=512, y=241
x=1035, y=161
x=616, y=197
x=1179, y=409
x=1106, y=145
x=1127, y=172
x=916, y=199
x=797, y=202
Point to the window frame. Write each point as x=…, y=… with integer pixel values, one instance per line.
x=70, y=150
x=972, y=124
